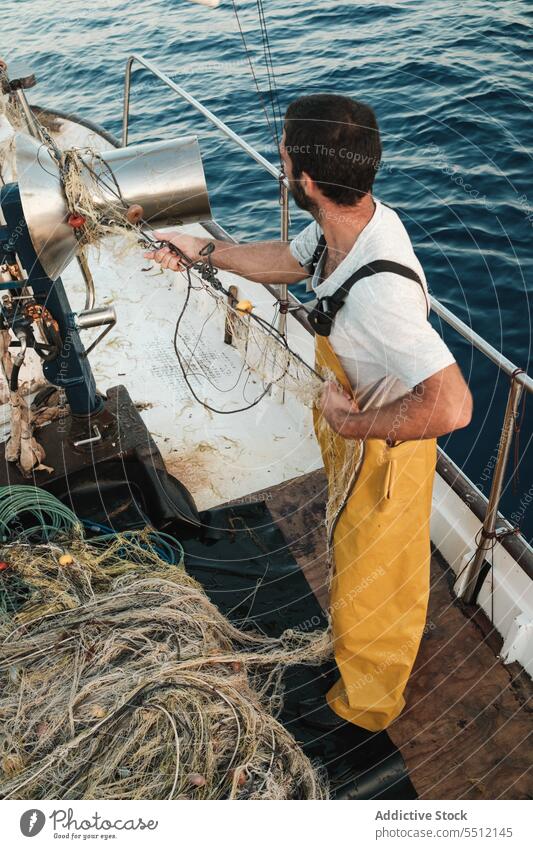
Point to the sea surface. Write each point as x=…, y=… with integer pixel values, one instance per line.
x=451, y=85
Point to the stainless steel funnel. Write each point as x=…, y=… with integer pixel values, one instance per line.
x=166, y=178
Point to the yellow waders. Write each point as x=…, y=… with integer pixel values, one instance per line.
x=379, y=538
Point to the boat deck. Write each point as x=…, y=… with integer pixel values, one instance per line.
x=465, y=731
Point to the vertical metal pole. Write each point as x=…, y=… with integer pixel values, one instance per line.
x=126, y=108
x=489, y=523
x=283, y=289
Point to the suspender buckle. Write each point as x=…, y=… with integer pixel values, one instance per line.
x=320, y=318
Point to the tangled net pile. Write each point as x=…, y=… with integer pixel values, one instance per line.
x=120, y=680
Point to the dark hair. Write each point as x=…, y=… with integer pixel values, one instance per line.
x=336, y=141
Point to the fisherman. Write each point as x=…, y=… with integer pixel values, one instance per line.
x=398, y=388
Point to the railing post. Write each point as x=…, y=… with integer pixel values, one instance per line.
x=126, y=107
x=489, y=523
x=283, y=289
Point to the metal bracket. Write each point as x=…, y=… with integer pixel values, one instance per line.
x=90, y=439
x=99, y=317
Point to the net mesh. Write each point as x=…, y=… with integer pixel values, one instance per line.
x=119, y=679
x=85, y=179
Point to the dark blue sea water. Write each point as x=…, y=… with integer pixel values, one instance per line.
x=450, y=82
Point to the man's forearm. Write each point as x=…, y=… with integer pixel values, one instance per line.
x=262, y=262
x=417, y=415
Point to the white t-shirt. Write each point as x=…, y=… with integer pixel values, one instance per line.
x=381, y=334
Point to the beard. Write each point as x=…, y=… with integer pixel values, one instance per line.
x=302, y=200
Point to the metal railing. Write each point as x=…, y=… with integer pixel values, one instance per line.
x=519, y=380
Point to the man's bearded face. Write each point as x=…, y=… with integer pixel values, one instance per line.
x=301, y=199
x=295, y=187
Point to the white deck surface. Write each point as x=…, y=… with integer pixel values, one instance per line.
x=218, y=457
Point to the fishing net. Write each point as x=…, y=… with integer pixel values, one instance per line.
x=120, y=680
x=264, y=352
x=10, y=108
x=92, y=192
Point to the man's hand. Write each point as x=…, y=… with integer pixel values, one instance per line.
x=3, y=65
x=338, y=408
x=261, y=262
x=440, y=404
x=190, y=245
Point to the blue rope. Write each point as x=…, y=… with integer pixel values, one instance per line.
x=164, y=545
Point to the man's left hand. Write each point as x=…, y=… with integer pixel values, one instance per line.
x=337, y=407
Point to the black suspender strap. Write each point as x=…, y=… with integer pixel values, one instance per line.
x=319, y=250
x=322, y=316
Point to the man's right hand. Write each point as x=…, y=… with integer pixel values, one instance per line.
x=262, y=262
x=190, y=245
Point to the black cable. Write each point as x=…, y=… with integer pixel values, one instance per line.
x=183, y=369
x=192, y=352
